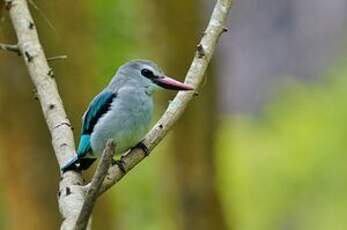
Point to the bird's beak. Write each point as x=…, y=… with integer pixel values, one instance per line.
x=169, y=83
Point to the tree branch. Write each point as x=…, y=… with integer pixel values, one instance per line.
x=71, y=193
x=194, y=77
x=95, y=184
x=8, y=47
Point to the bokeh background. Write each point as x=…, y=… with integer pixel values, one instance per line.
x=263, y=147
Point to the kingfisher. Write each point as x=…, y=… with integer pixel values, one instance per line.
x=122, y=112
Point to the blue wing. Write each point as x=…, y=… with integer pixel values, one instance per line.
x=98, y=107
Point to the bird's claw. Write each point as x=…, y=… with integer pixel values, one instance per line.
x=120, y=163
x=144, y=148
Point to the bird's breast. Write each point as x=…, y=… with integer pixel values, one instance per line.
x=127, y=121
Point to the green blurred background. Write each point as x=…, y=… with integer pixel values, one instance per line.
x=261, y=147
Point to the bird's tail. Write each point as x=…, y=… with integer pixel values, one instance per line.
x=72, y=164
x=80, y=161
x=77, y=163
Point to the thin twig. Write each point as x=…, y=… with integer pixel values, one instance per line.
x=176, y=108
x=45, y=18
x=95, y=184
x=55, y=58
x=8, y=47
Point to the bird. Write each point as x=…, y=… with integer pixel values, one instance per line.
x=122, y=112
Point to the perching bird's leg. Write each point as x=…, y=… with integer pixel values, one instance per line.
x=120, y=163
x=142, y=146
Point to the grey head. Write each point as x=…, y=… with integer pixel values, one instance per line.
x=144, y=73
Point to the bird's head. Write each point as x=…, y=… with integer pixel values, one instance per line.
x=149, y=74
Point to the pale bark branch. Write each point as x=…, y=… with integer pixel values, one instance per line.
x=8, y=47
x=95, y=184
x=71, y=192
x=194, y=77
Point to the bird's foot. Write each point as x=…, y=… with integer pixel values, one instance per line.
x=142, y=146
x=120, y=163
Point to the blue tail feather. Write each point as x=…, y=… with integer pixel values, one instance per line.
x=71, y=164
x=79, y=162
x=84, y=146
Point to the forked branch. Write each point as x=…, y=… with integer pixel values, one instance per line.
x=194, y=77
x=73, y=201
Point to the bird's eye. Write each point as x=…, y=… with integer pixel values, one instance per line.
x=147, y=73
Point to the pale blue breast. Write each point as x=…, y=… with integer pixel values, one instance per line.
x=127, y=121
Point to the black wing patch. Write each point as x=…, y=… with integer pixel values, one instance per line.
x=99, y=106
